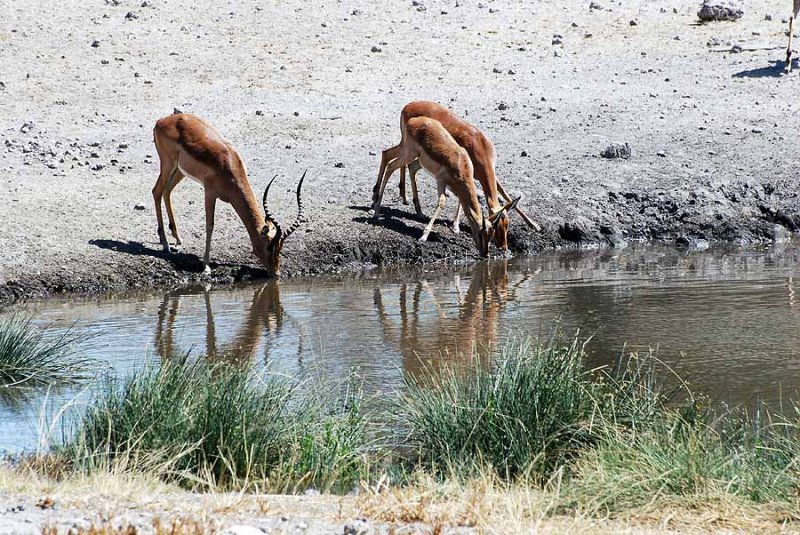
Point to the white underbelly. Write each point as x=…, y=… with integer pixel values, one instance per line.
x=187, y=175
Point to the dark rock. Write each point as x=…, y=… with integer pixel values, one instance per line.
x=376, y=48
x=95, y=44
x=579, y=230
x=717, y=10
x=617, y=151
x=359, y=526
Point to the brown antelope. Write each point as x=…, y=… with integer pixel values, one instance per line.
x=480, y=150
x=189, y=147
x=441, y=156
x=795, y=10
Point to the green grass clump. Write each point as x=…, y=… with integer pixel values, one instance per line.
x=29, y=356
x=685, y=455
x=527, y=412
x=224, y=427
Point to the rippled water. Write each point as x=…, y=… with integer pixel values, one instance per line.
x=725, y=319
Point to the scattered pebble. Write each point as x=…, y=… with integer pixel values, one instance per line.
x=614, y=151
x=502, y=106
x=138, y=207
x=376, y=48
x=95, y=44
x=339, y=165
x=358, y=526
x=557, y=39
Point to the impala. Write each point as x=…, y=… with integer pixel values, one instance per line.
x=481, y=153
x=441, y=156
x=189, y=147
x=795, y=10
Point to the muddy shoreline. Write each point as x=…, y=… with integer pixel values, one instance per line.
x=143, y=268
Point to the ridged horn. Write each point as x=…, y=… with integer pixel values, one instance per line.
x=267, y=215
x=300, y=211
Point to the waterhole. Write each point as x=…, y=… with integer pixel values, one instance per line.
x=725, y=320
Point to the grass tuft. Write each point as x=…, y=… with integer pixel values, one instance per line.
x=527, y=413
x=224, y=427
x=30, y=357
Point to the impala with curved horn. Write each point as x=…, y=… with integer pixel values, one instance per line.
x=189, y=147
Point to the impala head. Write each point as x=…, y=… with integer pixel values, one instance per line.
x=272, y=234
x=488, y=230
x=501, y=230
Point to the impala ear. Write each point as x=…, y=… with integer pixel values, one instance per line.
x=494, y=218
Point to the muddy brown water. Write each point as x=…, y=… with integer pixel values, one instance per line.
x=725, y=319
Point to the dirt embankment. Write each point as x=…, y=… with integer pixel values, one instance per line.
x=319, y=85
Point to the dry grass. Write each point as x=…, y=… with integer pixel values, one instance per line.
x=483, y=503
x=176, y=526
x=492, y=506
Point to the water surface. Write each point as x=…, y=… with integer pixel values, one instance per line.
x=725, y=319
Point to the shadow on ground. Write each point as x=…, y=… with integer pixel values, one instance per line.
x=771, y=71
x=395, y=220
x=179, y=260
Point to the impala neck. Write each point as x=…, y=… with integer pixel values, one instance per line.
x=468, y=198
x=249, y=212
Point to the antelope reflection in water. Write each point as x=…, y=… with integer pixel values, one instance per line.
x=264, y=319
x=423, y=335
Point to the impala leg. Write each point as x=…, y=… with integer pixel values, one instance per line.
x=211, y=204
x=436, y=212
x=456, y=219
x=391, y=167
x=789, y=48
x=413, y=169
x=386, y=156
x=164, y=177
x=403, y=185
x=175, y=178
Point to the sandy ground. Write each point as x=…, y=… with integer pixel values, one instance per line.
x=296, y=85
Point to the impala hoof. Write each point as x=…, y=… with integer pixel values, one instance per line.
x=207, y=270
x=423, y=239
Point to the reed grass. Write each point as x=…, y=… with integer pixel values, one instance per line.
x=224, y=427
x=32, y=356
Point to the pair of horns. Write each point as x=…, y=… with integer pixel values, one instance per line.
x=269, y=217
